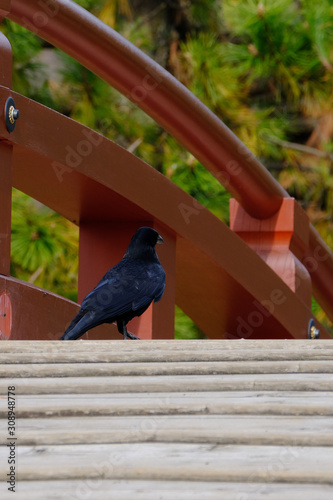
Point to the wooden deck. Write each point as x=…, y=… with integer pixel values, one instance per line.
x=169, y=420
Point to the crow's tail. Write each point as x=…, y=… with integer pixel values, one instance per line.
x=82, y=322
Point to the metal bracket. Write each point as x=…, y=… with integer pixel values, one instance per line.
x=313, y=332
x=11, y=114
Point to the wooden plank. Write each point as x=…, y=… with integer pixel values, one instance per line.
x=169, y=383
x=160, y=351
x=214, y=403
x=214, y=429
x=162, y=356
x=199, y=344
x=98, y=489
x=174, y=462
x=157, y=369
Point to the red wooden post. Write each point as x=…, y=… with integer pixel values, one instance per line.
x=5, y=152
x=281, y=241
x=102, y=245
x=5, y=206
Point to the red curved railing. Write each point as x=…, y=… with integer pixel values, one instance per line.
x=107, y=54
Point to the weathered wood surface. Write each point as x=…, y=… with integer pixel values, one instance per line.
x=172, y=383
x=174, y=462
x=192, y=403
x=174, y=420
x=48, y=369
x=212, y=429
x=108, y=489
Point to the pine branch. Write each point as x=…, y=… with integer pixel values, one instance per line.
x=300, y=147
x=147, y=18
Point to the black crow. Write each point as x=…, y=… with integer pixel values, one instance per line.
x=126, y=290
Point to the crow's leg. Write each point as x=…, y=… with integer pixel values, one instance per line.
x=121, y=324
x=123, y=330
x=132, y=336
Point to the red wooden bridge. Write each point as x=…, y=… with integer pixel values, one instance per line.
x=166, y=419
x=252, y=280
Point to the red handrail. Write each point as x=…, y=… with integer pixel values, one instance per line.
x=106, y=53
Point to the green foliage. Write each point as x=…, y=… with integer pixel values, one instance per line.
x=205, y=15
x=209, y=78
x=193, y=178
x=277, y=46
x=185, y=328
x=44, y=246
x=26, y=47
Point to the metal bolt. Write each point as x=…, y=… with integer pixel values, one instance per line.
x=313, y=332
x=11, y=114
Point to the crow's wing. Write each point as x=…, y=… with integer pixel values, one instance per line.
x=126, y=288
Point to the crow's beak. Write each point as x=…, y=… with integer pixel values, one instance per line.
x=160, y=239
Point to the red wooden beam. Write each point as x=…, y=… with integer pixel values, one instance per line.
x=5, y=206
x=318, y=260
x=31, y=313
x=281, y=241
x=4, y=8
x=6, y=155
